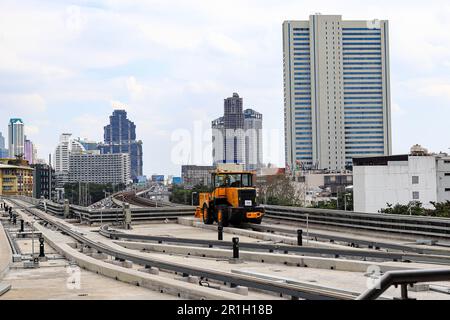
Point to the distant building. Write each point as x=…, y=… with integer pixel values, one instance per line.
x=336, y=91
x=66, y=147
x=177, y=180
x=44, y=181
x=400, y=179
x=3, y=151
x=16, y=138
x=16, y=178
x=333, y=182
x=2, y=141
x=196, y=175
x=89, y=145
x=29, y=151
x=120, y=137
x=237, y=136
x=99, y=168
x=253, y=151
x=157, y=178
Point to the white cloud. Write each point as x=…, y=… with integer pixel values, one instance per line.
x=23, y=103
x=396, y=109
x=31, y=130
x=172, y=63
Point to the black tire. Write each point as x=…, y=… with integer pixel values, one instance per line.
x=207, y=216
x=256, y=221
x=225, y=217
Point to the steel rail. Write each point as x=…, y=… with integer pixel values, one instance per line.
x=348, y=240
x=294, y=291
x=364, y=254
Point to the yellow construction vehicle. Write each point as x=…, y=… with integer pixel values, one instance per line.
x=232, y=201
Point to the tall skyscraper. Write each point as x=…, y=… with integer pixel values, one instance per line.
x=237, y=136
x=253, y=139
x=16, y=137
x=336, y=91
x=120, y=137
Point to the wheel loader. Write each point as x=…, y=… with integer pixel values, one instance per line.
x=232, y=201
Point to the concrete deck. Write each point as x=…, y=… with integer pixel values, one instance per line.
x=353, y=281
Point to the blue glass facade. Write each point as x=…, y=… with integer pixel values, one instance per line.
x=120, y=137
x=363, y=92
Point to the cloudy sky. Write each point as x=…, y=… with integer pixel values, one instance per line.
x=65, y=65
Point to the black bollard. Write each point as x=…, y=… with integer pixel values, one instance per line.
x=220, y=232
x=235, y=248
x=21, y=225
x=41, y=248
x=299, y=237
x=14, y=219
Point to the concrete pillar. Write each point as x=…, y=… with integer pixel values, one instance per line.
x=126, y=216
x=66, y=208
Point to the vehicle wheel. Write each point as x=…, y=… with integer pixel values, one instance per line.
x=225, y=217
x=207, y=216
x=256, y=221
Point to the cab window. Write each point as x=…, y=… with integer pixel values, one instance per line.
x=233, y=180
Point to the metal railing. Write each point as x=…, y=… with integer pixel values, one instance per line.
x=404, y=279
x=408, y=225
x=91, y=216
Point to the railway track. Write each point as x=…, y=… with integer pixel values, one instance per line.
x=350, y=241
x=301, y=250
x=131, y=198
x=294, y=291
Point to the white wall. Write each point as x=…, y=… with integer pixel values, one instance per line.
x=374, y=186
x=443, y=181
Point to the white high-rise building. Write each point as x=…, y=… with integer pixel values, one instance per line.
x=65, y=148
x=253, y=139
x=16, y=137
x=237, y=136
x=336, y=91
x=100, y=168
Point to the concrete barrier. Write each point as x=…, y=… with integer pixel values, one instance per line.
x=5, y=253
x=265, y=236
x=273, y=258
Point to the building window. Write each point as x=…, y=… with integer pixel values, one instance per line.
x=447, y=189
x=447, y=174
x=415, y=195
x=415, y=179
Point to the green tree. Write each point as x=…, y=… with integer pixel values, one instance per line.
x=182, y=195
x=90, y=192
